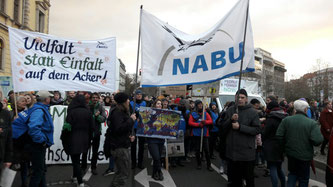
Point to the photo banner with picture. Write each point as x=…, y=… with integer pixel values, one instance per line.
x=45, y=62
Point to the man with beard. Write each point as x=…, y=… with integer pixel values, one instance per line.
x=139, y=102
x=70, y=96
x=199, y=125
x=99, y=117
x=241, y=129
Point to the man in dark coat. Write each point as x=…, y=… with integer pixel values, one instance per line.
x=6, y=143
x=81, y=128
x=120, y=137
x=272, y=150
x=241, y=129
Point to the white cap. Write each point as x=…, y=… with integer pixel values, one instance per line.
x=44, y=94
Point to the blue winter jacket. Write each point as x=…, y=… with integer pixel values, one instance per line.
x=137, y=107
x=41, y=124
x=214, y=118
x=19, y=125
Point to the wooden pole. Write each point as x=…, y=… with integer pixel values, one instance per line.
x=166, y=155
x=15, y=104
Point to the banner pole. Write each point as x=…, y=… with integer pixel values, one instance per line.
x=136, y=82
x=166, y=155
x=15, y=104
x=137, y=66
x=203, y=118
x=243, y=54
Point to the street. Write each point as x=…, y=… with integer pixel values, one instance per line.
x=187, y=176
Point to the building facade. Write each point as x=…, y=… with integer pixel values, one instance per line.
x=320, y=84
x=121, y=76
x=31, y=15
x=269, y=73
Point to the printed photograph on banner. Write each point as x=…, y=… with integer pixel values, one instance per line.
x=45, y=62
x=159, y=123
x=175, y=58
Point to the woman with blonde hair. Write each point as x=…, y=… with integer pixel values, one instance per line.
x=30, y=100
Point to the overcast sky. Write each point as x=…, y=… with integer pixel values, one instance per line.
x=296, y=32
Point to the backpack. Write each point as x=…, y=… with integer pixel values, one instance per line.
x=20, y=127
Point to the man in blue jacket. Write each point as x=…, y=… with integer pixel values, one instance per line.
x=40, y=130
x=141, y=140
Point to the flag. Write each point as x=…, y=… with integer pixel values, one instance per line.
x=172, y=57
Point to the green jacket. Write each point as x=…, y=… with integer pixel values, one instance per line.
x=299, y=134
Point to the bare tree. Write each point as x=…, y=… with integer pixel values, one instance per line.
x=319, y=82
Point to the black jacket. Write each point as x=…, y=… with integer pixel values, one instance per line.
x=272, y=148
x=6, y=142
x=240, y=144
x=82, y=126
x=120, y=128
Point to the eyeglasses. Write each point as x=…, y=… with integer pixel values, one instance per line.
x=95, y=97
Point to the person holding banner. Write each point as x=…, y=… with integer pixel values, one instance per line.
x=241, y=129
x=81, y=129
x=200, y=123
x=40, y=129
x=139, y=102
x=120, y=137
x=155, y=147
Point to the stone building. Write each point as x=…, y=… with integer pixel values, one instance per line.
x=31, y=15
x=269, y=73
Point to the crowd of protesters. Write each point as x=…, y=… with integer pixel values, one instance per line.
x=246, y=134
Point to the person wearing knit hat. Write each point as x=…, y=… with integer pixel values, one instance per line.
x=139, y=102
x=271, y=146
x=121, y=97
x=298, y=135
x=239, y=132
x=199, y=124
x=242, y=91
x=213, y=132
x=119, y=137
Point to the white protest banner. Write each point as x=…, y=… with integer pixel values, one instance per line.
x=56, y=153
x=231, y=86
x=172, y=57
x=45, y=62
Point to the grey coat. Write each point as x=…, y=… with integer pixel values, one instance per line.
x=240, y=143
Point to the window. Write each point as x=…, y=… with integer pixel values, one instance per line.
x=1, y=51
x=40, y=21
x=2, y=5
x=16, y=10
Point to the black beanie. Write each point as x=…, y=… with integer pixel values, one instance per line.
x=121, y=97
x=242, y=91
x=272, y=104
x=197, y=102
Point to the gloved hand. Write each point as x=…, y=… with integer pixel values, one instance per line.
x=202, y=124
